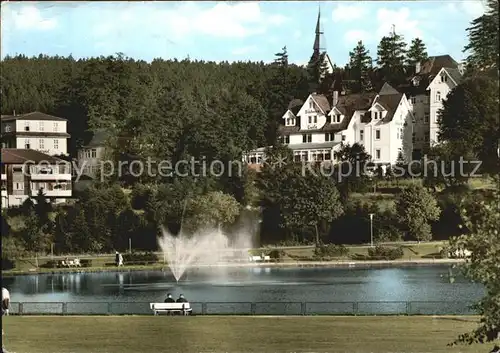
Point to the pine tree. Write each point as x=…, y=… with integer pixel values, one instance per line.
x=317, y=70
x=483, y=41
x=416, y=53
x=360, y=65
x=391, y=53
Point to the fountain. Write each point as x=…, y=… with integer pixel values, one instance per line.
x=205, y=247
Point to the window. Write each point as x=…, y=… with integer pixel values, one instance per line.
x=413, y=138
x=26, y=126
x=377, y=134
x=315, y=119
x=311, y=104
x=56, y=144
x=361, y=135
x=426, y=118
x=343, y=137
x=41, y=144
x=444, y=78
x=19, y=186
x=40, y=126
x=413, y=100
x=438, y=96
x=286, y=139
x=375, y=115
x=377, y=154
x=87, y=153
x=400, y=133
x=329, y=136
x=338, y=116
x=306, y=138
x=310, y=119
x=27, y=144
x=426, y=137
x=56, y=127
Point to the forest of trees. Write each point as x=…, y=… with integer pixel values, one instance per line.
x=176, y=110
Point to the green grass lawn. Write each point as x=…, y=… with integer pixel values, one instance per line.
x=411, y=251
x=123, y=334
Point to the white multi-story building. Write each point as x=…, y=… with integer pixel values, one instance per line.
x=26, y=172
x=36, y=131
x=315, y=130
x=433, y=80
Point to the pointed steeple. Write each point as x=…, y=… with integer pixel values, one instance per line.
x=316, y=47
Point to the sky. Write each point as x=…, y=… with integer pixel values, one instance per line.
x=229, y=30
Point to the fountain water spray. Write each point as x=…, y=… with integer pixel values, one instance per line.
x=209, y=246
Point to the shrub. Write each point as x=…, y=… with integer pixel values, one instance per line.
x=385, y=253
x=138, y=258
x=276, y=255
x=330, y=250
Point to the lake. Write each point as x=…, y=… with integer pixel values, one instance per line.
x=369, y=287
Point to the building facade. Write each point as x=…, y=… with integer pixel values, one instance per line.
x=91, y=155
x=431, y=84
x=35, y=131
x=27, y=172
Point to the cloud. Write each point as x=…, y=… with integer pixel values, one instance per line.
x=28, y=17
x=188, y=19
x=244, y=50
x=347, y=13
x=297, y=34
x=474, y=8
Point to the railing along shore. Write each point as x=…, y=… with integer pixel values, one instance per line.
x=251, y=308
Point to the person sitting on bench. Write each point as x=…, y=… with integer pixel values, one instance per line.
x=182, y=299
x=169, y=299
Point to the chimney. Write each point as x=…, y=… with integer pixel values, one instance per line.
x=417, y=67
x=335, y=98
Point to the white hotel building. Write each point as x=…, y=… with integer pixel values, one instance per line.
x=316, y=129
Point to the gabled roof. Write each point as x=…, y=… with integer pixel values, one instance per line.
x=21, y=156
x=98, y=139
x=322, y=102
x=390, y=102
x=434, y=64
x=387, y=89
x=32, y=116
x=455, y=74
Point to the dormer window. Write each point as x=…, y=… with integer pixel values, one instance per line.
x=377, y=115
x=290, y=122
x=413, y=100
x=338, y=118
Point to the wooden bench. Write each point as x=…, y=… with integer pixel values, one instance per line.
x=259, y=258
x=171, y=308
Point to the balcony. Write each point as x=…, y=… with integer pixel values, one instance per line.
x=52, y=193
x=50, y=173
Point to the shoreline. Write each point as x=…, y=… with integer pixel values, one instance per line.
x=288, y=264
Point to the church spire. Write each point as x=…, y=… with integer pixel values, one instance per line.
x=316, y=47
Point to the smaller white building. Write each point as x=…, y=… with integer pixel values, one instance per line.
x=35, y=131
x=433, y=80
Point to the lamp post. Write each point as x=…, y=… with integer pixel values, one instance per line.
x=371, y=229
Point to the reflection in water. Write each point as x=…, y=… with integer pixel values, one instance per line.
x=249, y=284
